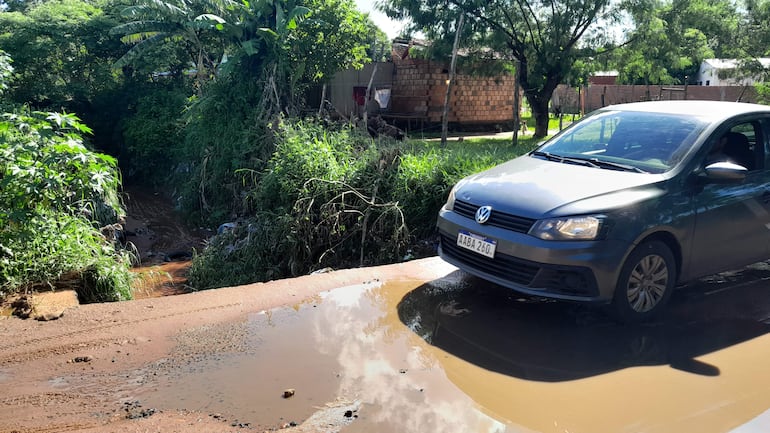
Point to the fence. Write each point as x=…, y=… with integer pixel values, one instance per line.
x=411, y=92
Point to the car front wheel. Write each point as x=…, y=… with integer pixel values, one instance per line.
x=645, y=283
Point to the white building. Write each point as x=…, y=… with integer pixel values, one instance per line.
x=711, y=69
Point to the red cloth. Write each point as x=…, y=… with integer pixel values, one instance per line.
x=359, y=95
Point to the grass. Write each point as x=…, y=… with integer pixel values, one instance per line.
x=553, y=126
x=146, y=280
x=337, y=198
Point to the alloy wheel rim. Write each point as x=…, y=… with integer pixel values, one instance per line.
x=647, y=283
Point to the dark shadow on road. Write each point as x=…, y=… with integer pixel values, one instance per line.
x=536, y=339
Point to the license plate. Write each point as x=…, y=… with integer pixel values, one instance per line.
x=476, y=243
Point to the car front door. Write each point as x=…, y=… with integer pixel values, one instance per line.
x=732, y=225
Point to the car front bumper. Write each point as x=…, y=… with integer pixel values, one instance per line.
x=585, y=271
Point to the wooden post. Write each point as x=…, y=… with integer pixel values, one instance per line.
x=366, y=97
x=323, y=98
x=516, y=106
x=450, y=81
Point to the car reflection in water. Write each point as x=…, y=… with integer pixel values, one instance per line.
x=545, y=340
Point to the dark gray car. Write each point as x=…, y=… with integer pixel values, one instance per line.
x=621, y=206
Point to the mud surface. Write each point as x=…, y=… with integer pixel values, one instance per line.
x=162, y=242
x=414, y=347
x=156, y=230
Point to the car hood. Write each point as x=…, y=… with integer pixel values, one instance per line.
x=535, y=188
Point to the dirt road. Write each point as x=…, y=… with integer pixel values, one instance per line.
x=414, y=347
x=84, y=371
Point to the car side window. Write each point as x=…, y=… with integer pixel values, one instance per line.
x=741, y=144
x=591, y=138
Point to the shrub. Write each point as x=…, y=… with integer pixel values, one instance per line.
x=332, y=197
x=55, y=197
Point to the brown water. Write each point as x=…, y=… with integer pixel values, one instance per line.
x=460, y=355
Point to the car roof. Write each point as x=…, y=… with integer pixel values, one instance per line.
x=704, y=109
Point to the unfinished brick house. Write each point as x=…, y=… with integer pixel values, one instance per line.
x=410, y=93
x=419, y=89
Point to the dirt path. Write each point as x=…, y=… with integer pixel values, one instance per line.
x=163, y=241
x=83, y=371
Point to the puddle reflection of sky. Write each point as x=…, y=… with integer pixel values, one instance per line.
x=387, y=368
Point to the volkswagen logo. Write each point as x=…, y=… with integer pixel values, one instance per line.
x=483, y=214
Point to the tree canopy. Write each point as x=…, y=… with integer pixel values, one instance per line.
x=544, y=38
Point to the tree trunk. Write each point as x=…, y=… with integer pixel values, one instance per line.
x=516, y=108
x=539, y=106
x=538, y=98
x=450, y=81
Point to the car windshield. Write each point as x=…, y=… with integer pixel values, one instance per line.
x=625, y=140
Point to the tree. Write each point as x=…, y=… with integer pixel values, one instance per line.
x=755, y=31
x=58, y=200
x=192, y=26
x=670, y=39
x=63, y=57
x=62, y=53
x=545, y=37
x=718, y=20
x=276, y=50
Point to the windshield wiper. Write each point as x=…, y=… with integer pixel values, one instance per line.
x=553, y=157
x=616, y=166
x=589, y=162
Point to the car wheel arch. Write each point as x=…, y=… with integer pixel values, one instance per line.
x=645, y=281
x=669, y=240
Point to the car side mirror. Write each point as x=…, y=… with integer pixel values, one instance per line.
x=725, y=172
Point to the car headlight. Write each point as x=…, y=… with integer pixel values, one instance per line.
x=450, y=201
x=578, y=228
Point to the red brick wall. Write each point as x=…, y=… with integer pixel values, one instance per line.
x=419, y=89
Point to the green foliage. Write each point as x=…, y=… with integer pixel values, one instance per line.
x=61, y=251
x=670, y=39
x=62, y=53
x=545, y=39
x=55, y=196
x=331, y=197
x=227, y=128
x=192, y=27
x=308, y=151
x=153, y=134
x=335, y=36
x=305, y=209
x=763, y=93
x=6, y=70
x=225, y=131
x=754, y=32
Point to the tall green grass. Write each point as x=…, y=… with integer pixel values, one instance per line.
x=333, y=197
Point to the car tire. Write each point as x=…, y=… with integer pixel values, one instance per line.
x=645, y=283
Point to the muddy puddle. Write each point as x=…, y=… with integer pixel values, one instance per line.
x=347, y=348
x=457, y=354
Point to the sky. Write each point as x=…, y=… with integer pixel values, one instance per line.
x=390, y=27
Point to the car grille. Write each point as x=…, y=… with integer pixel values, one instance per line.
x=569, y=280
x=503, y=266
x=498, y=219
